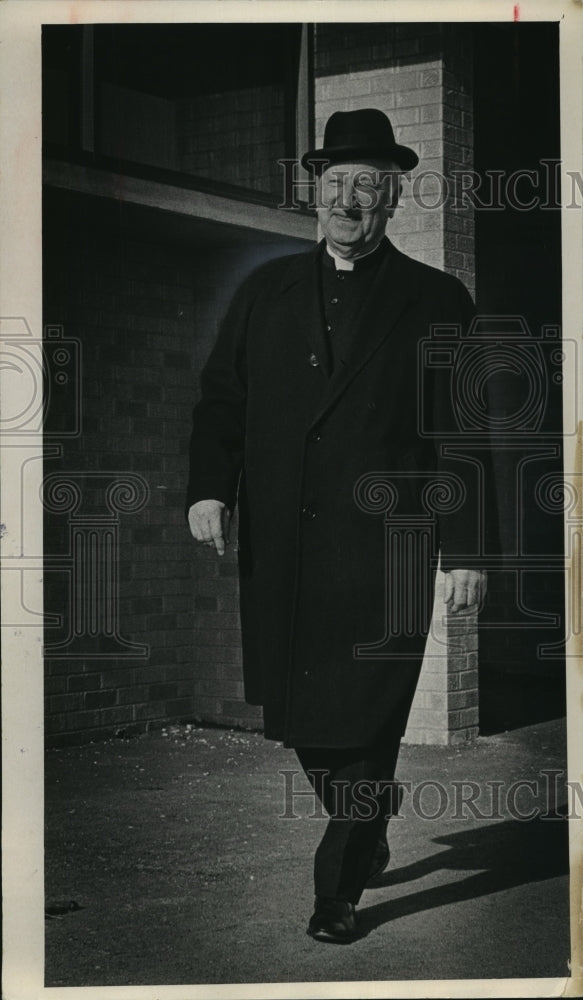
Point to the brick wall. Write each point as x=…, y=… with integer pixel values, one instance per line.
x=234, y=136
x=144, y=308
x=217, y=657
x=458, y=149
x=445, y=708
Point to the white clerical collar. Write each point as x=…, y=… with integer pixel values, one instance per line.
x=348, y=265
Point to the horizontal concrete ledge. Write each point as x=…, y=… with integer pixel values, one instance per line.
x=183, y=201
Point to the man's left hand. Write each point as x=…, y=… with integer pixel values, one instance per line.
x=464, y=588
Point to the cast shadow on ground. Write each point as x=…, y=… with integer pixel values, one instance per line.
x=507, y=853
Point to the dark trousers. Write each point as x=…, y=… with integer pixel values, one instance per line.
x=356, y=788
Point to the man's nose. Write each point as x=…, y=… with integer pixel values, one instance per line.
x=349, y=197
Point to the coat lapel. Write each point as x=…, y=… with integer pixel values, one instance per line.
x=305, y=296
x=395, y=288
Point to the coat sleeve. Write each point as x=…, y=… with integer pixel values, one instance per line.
x=218, y=420
x=461, y=527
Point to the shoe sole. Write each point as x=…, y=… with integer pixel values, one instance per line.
x=331, y=938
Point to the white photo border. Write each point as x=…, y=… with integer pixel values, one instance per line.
x=20, y=296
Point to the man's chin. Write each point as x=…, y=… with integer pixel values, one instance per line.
x=345, y=237
x=345, y=247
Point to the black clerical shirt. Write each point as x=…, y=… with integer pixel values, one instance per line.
x=344, y=293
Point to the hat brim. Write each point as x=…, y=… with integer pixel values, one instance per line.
x=317, y=159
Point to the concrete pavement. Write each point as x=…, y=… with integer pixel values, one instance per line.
x=173, y=848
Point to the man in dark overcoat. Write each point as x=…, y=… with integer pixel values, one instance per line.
x=314, y=409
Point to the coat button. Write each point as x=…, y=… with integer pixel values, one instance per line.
x=314, y=361
x=334, y=302
x=315, y=436
x=308, y=513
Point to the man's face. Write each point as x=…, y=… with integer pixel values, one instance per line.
x=354, y=202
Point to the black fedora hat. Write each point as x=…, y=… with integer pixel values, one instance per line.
x=350, y=135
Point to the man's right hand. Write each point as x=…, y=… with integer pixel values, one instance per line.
x=209, y=522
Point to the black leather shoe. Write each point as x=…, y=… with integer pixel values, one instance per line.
x=333, y=920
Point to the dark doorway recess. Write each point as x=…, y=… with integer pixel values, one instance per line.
x=518, y=265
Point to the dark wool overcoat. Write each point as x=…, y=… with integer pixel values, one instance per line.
x=346, y=488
